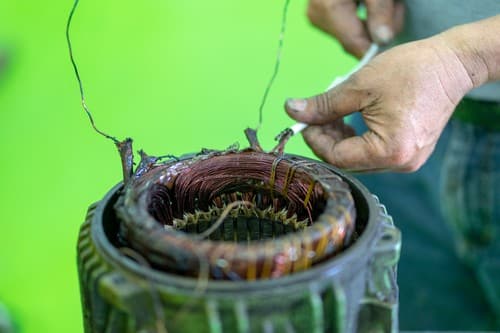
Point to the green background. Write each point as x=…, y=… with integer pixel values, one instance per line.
x=174, y=75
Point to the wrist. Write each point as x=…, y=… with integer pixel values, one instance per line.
x=477, y=47
x=442, y=65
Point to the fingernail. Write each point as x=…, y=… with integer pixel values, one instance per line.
x=297, y=105
x=383, y=34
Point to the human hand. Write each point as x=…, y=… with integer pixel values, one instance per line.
x=339, y=19
x=405, y=96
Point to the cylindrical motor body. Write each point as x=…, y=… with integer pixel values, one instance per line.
x=354, y=291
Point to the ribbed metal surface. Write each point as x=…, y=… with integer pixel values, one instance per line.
x=351, y=293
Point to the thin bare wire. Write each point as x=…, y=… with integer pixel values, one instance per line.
x=277, y=63
x=78, y=78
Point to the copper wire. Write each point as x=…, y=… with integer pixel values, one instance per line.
x=166, y=209
x=79, y=79
x=276, y=64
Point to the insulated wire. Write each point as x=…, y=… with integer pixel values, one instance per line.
x=77, y=73
x=276, y=65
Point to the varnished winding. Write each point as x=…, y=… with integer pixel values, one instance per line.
x=203, y=184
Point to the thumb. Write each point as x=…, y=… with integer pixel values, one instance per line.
x=329, y=106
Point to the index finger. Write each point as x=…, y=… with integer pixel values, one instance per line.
x=339, y=18
x=355, y=153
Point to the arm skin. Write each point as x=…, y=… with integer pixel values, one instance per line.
x=406, y=96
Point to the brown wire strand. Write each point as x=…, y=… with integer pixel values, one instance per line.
x=276, y=64
x=78, y=78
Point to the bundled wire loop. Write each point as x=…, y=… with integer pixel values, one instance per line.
x=244, y=214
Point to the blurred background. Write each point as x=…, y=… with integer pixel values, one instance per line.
x=175, y=76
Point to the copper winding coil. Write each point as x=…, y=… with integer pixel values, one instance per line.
x=301, y=213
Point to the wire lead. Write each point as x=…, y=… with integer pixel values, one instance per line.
x=78, y=78
x=276, y=65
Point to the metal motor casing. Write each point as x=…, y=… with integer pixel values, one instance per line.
x=356, y=291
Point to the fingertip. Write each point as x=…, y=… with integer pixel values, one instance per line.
x=296, y=109
x=380, y=20
x=383, y=34
x=295, y=105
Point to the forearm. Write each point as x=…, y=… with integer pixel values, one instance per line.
x=477, y=46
